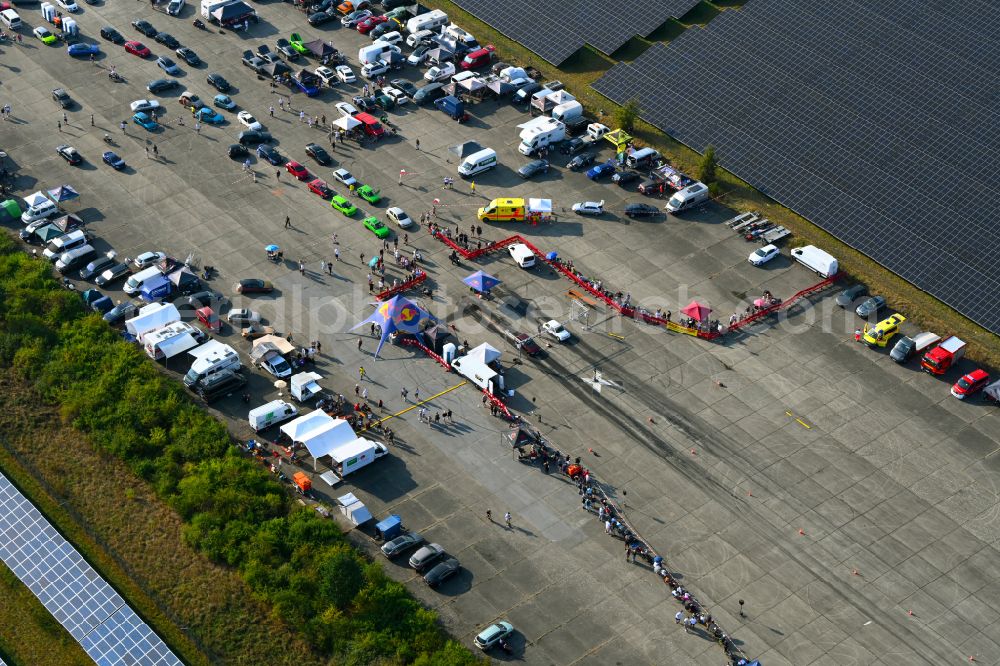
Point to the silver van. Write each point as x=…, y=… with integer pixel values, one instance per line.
x=691, y=196
x=643, y=158
x=10, y=19
x=72, y=258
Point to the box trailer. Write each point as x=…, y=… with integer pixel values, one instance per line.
x=273, y=412
x=352, y=456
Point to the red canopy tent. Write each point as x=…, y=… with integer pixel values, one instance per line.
x=697, y=311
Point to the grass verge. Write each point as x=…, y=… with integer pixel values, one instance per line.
x=919, y=306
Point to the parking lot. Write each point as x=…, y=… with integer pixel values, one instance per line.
x=849, y=501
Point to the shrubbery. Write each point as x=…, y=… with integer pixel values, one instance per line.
x=234, y=511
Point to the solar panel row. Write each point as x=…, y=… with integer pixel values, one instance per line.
x=69, y=588
x=855, y=117
x=555, y=31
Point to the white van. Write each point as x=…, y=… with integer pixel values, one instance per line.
x=209, y=359
x=39, y=211
x=427, y=21
x=478, y=162
x=273, y=412
x=523, y=256
x=816, y=260
x=134, y=284
x=71, y=258
x=374, y=52
x=10, y=19
x=458, y=35
x=568, y=111
x=65, y=243
x=641, y=159
x=691, y=196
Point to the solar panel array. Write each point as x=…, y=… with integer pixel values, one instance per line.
x=557, y=30
x=91, y=611
x=877, y=121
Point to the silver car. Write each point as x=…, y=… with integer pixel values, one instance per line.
x=426, y=556
x=401, y=544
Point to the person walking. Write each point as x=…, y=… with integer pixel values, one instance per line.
x=59, y=125
x=418, y=144
x=489, y=515
x=270, y=110
x=506, y=518
x=302, y=267
x=403, y=393
x=472, y=187
x=364, y=394
x=147, y=153
x=65, y=118
x=359, y=344
x=357, y=389
x=288, y=222
x=361, y=372
x=91, y=120
x=156, y=151
x=416, y=394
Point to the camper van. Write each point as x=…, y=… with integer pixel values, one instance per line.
x=522, y=255
x=539, y=138
x=211, y=358
x=690, y=197
x=65, y=243
x=816, y=260
x=427, y=21
x=273, y=412
x=40, y=209
x=172, y=339
x=134, y=283
x=477, y=163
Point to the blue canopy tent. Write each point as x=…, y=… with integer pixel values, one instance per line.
x=398, y=314
x=481, y=282
x=63, y=193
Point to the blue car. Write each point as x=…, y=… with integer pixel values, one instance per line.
x=83, y=49
x=601, y=170
x=224, y=102
x=111, y=158
x=270, y=154
x=207, y=115
x=102, y=305
x=309, y=86
x=145, y=120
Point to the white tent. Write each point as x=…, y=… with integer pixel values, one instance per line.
x=152, y=317
x=35, y=198
x=346, y=123
x=320, y=433
x=281, y=345
x=354, y=509
x=484, y=353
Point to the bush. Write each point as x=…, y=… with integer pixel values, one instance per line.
x=627, y=114
x=707, y=167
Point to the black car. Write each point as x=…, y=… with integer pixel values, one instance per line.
x=641, y=210
x=116, y=272
x=270, y=154
x=112, y=35
x=217, y=81
x=580, y=162
x=96, y=267
x=285, y=49
x=70, y=154
x=250, y=137
x=120, y=313
x=623, y=178
x=236, y=151
x=319, y=18
x=408, y=88
x=429, y=92
x=318, y=153
x=145, y=27
x=203, y=299
x=532, y=168
x=167, y=40
x=383, y=29
x=188, y=56
x=573, y=146
x=523, y=96
x=846, y=298
x=392, y=4
x=442, y=571
x=62, y=98
x=160, y=85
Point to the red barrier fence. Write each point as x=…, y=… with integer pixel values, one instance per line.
x=392, y=291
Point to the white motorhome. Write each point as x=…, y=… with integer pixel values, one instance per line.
x=687, y=198
x=431, y=20
x=478, y=162
x=209, y=359
x=273, y=412
x=816, y=260
x=170, y=340
x=537, y=138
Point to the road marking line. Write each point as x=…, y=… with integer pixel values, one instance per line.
x=414, y=406
x=798, y=420
x=616, y=336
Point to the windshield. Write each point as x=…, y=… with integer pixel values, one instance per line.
x=675, y=202
x=191, y=376
x=964, y=383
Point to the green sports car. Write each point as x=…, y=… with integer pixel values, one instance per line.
x=343, y=205
x=368, y=194
x=296, y=43
x=374, y=225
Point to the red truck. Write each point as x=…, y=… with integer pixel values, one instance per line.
x=938, y=360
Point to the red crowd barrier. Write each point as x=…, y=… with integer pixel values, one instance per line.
x=392, y=291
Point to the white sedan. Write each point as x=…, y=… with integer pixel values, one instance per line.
x=325, y=75
x=346, y=108
x=589, y=207
x=144, y=105
x=345, y=177
x=399, y=216
x=440, y=72
x=68, y=5
x=556, y=330
x=763, y=255
x=346, y=74
x=241, y=316
x=247, y=120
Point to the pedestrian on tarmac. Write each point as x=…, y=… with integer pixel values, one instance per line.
x=361, y=372
x=506, y=518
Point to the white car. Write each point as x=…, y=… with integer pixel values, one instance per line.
x=763, y=255
x=440, y=72
x=247, y=120
x=345, y=177
x=144, y=105
x=68, y=5
x=396, y=95
x=373, y=69
x=325, y=75
x=399, y=216
x=354, y=18
x=589, y=207
x=393, y=38
x=346, y=108
x=346, y=74
x=243, y=316
x=147, y=259
x=556, y=330
x=174, y=7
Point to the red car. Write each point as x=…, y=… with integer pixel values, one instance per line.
x=320, y=188
x=971, y=383
x=209, y=319
x=369, y=24
x=296, y=170
x=137, y=48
